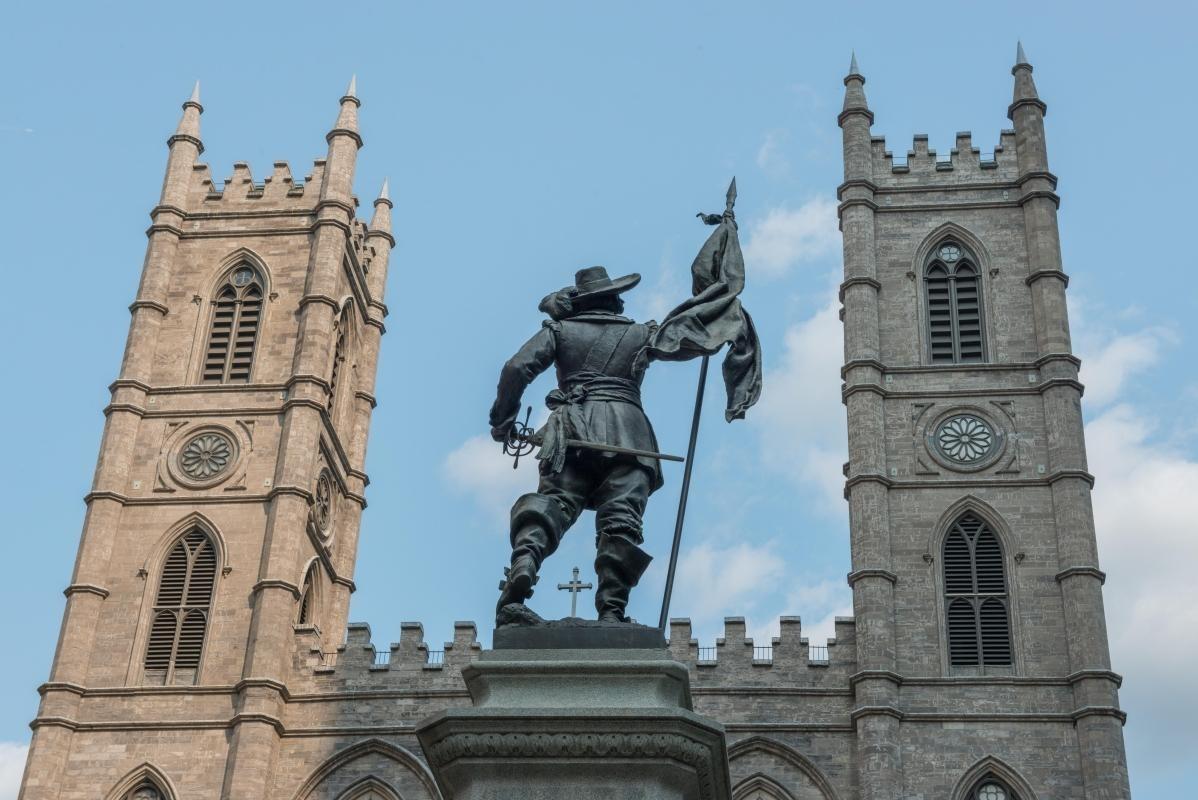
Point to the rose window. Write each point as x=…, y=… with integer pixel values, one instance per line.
x=965, y=439
x=206, y=456
x=324, y=501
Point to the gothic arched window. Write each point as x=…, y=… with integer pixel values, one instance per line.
x=181, y=611
x=233, y=335
x=308, y=600
x=338, y=359
x=146, y=791
x=953, y=289
x=990, y=788
x=975, y=595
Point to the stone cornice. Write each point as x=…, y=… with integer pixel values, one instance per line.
x=1027, y=197
x=162, y=227
x=128, y=408
x=859, y=280
x=1040, y=274
x=863, y=574
x=333, y=202
x=332, y=223
x=1037, y=174
x=1095, y=674
x=849, y=112
x=1072, y=572
x=1100, y=711
x=129, y=383
x=1034, y=102
x=382, y=235
x=875, y=711
x=344, y=132
x=855, y=183
x=274, y=583
x=875, y=674
x=184, y=137
x=86, y=588
x=319, y=298
x=151, y=304
x=855, y=201
x=368, y=397
x=1033, y=389
x=942, y=207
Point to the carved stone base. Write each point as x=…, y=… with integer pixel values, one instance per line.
x=576, y=724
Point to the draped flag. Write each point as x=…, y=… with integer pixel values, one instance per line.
x=714, y=316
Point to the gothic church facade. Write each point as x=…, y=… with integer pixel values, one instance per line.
x=205, y=650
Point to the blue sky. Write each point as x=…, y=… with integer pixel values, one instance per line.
x=525, y=140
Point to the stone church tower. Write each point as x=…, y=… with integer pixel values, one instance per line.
x=205, y=652
x=976, y=588
x=223, y=518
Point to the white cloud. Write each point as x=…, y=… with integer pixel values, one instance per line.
x=800, y=417
x=479, y=470
x=771, y=158
x=1144, y=508
x=1106, y=368
x=819, y=600
x=714, y=581
x=12, y=765
x=788, y=237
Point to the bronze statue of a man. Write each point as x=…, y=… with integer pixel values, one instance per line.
x=597, y=401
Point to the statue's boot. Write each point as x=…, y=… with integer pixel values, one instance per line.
x=619, y=565
x=537, y=525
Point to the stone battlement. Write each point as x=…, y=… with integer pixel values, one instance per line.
x=278, y=191
x=734, y=660
x=923, y=166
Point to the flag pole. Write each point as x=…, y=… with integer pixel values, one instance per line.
x=686, y=487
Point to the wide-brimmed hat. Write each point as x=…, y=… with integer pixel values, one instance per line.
x=593, y=282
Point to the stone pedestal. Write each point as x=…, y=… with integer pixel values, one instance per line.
x=576, y=724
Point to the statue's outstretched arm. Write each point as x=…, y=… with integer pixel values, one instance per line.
x=520, y=370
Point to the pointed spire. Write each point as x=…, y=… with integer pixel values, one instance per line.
x=189, y=124
x=854, y=93
x=381, y=221
x=1025, y=86
x=347, y=118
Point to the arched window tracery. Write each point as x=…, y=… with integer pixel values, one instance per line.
x=953, y=294
x=182, y=607
x=234, y=329
x=975, y=595
x=308, y=599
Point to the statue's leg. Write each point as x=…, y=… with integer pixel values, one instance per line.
x=619, y=561
x=538, y=522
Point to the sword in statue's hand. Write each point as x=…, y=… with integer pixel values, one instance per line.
x=521, y=440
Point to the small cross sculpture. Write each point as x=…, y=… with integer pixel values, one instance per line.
x=574, y=587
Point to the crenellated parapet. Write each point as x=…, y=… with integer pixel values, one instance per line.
x=923, y=167
x=279, y=191
x=735, y=659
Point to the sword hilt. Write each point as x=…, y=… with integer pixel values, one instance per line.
x=519, y=440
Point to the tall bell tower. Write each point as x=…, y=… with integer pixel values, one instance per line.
x=980, y=627
x=222, y=524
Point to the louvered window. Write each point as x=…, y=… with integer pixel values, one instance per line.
x=338, y=358
x=953, y=291
x=307, y=603
x=181, y=611
x=233, y=337
x=975, y=596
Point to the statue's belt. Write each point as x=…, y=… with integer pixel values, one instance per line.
x=566, y=421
